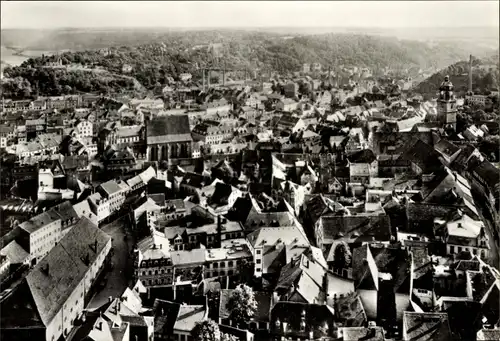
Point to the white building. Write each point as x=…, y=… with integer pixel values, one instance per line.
x=53, y=293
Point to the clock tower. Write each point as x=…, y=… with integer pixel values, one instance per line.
x=447, y=105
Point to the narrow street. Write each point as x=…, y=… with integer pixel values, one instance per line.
x=490, y=228
x=117, y=278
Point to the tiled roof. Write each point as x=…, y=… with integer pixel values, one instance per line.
x=110, y=187
x=298, y=266
x=488, y=334
x=271, y=235
x=362, y=156
x=426, y=326
x=363, y=333
x=165, y=316
x=39, y=221
x=390, y=260
x=445, y=147
x=170, y=128
x=15, y=253
x=377, y=227
x=423, y=155
x=50, y=282
x=350, y=310
x=488, y=172
x=188, y=316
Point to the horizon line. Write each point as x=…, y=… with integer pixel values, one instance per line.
x=239, y=27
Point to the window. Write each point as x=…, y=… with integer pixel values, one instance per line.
x=259, y=261
x=258, y=269
x=258, y=251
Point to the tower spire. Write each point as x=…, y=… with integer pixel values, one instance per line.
x=470, y=74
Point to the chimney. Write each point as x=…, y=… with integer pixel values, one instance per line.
x=95, y=246
x=470, y=74
x=110, y=299
x=45, y=269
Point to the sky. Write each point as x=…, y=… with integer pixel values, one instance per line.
x=384, y=14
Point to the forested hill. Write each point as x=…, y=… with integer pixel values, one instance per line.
x=485, y=76
x=174, y=53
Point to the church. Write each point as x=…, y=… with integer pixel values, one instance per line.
x=168, y=137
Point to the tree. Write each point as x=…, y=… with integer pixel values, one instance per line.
x=242, y=305
x=246, y=271
x=207, y=330
x=342, y=256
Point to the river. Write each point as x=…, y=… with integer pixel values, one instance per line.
x=9, y=56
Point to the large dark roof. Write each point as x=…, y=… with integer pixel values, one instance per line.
x=166, y=314
x=167, y=127
x=387, y=259
x=362, y=156
x=424, y=156
x=356, y=227
x=489, y=173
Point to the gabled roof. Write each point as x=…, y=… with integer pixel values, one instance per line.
x=423, y=155
x=386, y=260
x=166, y=314
x=293, y=270
x=49, y=285
x=171, y=128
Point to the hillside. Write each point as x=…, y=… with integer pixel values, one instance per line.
x=171, y=53
x=484, y=77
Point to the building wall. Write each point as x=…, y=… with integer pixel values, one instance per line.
x=402, y=304
x=481, y=252
x=74, y=305
x=369, y=300
x=258, y=261
x=44, y=239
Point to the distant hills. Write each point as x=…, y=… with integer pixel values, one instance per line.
x=485, y=76
x=156, y=55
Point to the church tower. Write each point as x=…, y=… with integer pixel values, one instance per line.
x=447, y=105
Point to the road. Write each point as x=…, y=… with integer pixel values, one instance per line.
x=486, y=217
x=118, y=279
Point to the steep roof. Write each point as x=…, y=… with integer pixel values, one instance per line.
x=362, y=156
x=363, y=333
x=166, y=314
x=170, y=128
x=388, y=260
x=15, y=253
x=426, y=326
x=424, y=156
x=356, y=227
x=50, y=284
